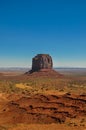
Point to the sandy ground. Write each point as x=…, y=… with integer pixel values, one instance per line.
x=45, y=127
x=42, y=108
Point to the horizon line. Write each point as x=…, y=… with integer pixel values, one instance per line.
x=31, y=67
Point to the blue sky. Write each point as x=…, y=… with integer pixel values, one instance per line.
x=56, y=27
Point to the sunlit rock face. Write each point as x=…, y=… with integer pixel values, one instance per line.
x=42, y=61
x=42, y=65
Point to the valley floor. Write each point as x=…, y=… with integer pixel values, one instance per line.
x=38, y=102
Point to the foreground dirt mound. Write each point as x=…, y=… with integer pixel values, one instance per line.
x=44, y=109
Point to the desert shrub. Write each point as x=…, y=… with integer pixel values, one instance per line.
x=8, y=87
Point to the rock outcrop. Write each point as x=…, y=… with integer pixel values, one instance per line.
x=42, y=65
x=42, y=62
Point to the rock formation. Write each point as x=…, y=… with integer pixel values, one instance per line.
x=42, y=65
x=42, y=62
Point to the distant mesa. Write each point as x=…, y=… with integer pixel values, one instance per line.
x=41, y=62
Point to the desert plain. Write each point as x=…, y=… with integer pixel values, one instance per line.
x=40, y=101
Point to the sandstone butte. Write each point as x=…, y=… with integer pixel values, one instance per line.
x=42, y=64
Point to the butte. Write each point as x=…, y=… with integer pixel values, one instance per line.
x=42, y=65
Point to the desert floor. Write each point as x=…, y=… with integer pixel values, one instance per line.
x=42, y=101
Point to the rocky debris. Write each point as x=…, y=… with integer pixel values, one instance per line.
x=42, y=62
x=44, y=109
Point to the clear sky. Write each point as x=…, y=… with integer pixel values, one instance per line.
x=30, y=27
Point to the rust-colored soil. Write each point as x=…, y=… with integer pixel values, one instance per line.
x=44, y=109
x=39, y=101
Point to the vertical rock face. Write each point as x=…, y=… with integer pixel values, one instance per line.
x=42, y=61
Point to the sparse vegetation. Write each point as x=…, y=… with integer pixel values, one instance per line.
x=44, y=83
x=25, y=86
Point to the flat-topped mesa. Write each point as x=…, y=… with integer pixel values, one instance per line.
x=42, y=62
x=42, y=65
